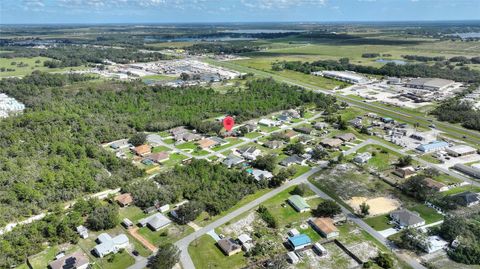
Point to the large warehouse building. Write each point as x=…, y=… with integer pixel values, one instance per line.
x=431, y=84
x=347, y=76
x=461, y=150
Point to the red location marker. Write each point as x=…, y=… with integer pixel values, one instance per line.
x=228, y=123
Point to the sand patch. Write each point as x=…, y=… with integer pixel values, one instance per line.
x=378, y=206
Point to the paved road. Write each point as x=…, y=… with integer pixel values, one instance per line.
x=453, y=130
x=411, y=261
x=183, y=244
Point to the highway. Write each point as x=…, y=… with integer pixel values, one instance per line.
x=454, y=131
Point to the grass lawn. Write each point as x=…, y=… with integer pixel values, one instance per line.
x=461, y=189
x=383, y=159
x=157, y=77
x=447, y=179
x=174, y=158
x=284, y=213
x=169, y=234
x=300, y=170
x=133, y=213
x=169, y=141
x=164, y=134
x=231, y=142
x=42, y=259
x=267, y=129
x=204, y=218
x=253, y=135
x=160, y=149
x=187, y=145
x=117, y=260
x=430, y=215
x=429, y=158
x=380, y=222
x=201, y=152
x=205, y=254
x=32, y=66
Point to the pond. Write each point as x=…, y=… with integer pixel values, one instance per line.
x=399, y=62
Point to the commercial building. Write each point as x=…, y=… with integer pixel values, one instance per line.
x=460, y=150
x=468, y=170
x=347, y=76
x=433, y=146
x=299, y=203
x=431, y=84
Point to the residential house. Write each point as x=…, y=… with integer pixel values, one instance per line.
x=246, y=242
x=76, y=260
x=120, y=144
x=229, y=246
x=142, y=150
x=406, y=218
x=206, y=143
x=269, y=122
x=261, y=174
x=274, y=144
x=347, y=137
x=290, y=134
x=220, y=141
x=325, y=227
x=435, y=185
x=466, y=198
x=155, y=222
x=283, y=118
x=294, y=159
x=299, y=203
x=292, y=113
x=304, y=130
x=107, y=244
x=251, y=127
x=305, y=139
x=233, y=160
x=159, y=157
x=320, y=125
x=292, y=257
x=362, y=157
x=249, y=152
x=299, y=242
x=178, y=131
x=331, y=142
x=357, y=122
x=433, y=244
x=82, y=231
x=124, y=199
x=405, y=172
x=187, y=137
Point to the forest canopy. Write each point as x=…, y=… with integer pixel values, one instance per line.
x=51, y=152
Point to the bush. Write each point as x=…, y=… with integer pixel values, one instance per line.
x=327, y=208
x=300, y=189
x=103, y=218
x=267, y=217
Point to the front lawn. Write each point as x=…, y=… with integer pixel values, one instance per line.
x=160, y=149
x=205, y=255
x=169, y=234
x=380, y=222
x=429, y=214
x=231, y=142
x=133, y=213
x=253, y=135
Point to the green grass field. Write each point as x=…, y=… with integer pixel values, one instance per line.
x=427, y=213
x=169, y=234
x=205, y=255
x=253, y=135
x=160, y=149
x=380, y=222
x=32, y=66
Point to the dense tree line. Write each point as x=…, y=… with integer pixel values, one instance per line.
x=214, y=185
x=221, y=48
x=439, y=70
x=456, y=111
x=421, y=58
x=466, y=230
x=51, y=152
x=55, y=228
x=67, y=56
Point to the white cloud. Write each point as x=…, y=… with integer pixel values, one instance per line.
x=282, y=4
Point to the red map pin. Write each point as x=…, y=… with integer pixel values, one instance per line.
x=228, y=123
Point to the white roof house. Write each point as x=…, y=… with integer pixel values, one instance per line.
x=244, y=238
x=362, y=157
x=107, y=244
x=269, y=122
x=82, y=231
x=292, y=257
x=435, y=243
x=155, y=222
x=261, y=174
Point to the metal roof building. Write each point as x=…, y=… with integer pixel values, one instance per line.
x=433, y=146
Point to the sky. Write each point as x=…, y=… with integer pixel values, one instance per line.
x=184, y=11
